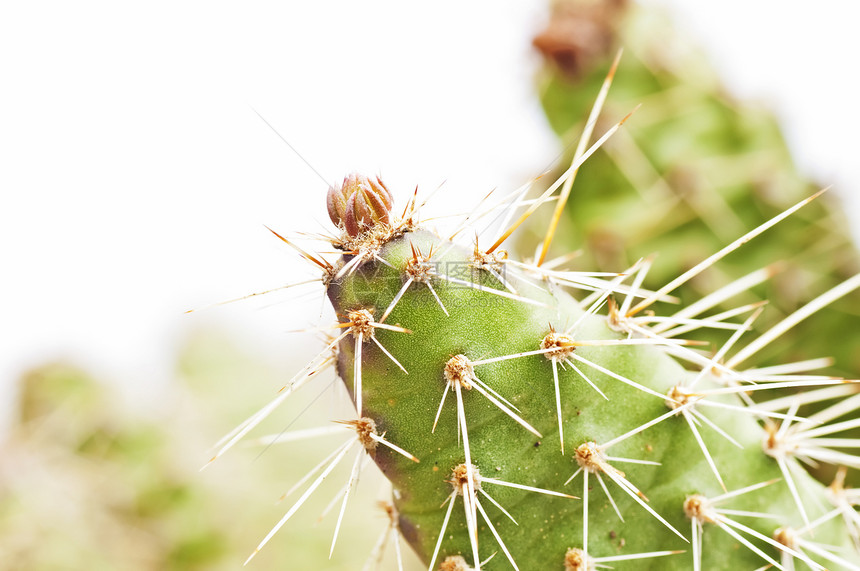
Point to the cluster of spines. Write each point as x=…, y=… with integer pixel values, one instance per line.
x=790, y=440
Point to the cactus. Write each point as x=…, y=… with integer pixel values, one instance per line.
x=587, y=425
x=583, y=428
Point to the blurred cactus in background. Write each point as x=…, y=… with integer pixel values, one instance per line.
x=693, y=168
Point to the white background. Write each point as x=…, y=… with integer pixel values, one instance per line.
x=136, y=176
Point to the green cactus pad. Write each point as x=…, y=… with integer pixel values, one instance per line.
x=482, y=326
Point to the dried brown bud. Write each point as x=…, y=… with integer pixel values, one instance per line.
x=359, y=203
x=580, y=34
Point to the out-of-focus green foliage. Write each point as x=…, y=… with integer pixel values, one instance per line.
x=89, y=482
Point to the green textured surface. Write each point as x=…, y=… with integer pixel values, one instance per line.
x=482, y=326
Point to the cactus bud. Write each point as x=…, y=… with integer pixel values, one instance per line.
x=359, y=203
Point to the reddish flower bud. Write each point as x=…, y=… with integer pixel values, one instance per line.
x=359, y=203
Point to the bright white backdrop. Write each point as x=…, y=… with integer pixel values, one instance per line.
x=136, y=176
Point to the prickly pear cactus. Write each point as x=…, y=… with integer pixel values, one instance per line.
x=531, y=417
x=693, y=169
